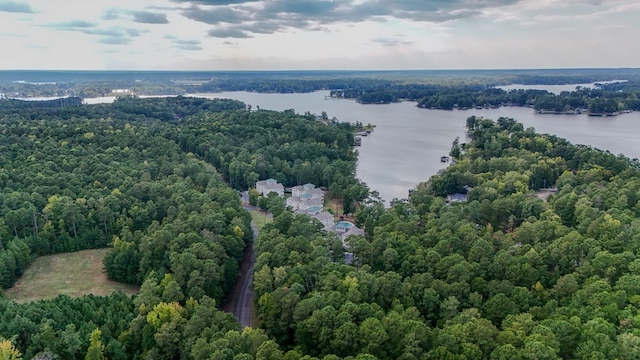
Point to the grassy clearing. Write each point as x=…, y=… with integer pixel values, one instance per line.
x=261, y=218
x=334, y=205
x=74, y=274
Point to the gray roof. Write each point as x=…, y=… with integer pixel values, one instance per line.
x=267, y=182
x=312, y=202
x=353, y=231
x=325, y=215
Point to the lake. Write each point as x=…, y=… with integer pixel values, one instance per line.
x=407, y=144
x=556, y=89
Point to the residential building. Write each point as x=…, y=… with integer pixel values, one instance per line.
x=310, y=204
x=344, y=229
x=307, y=198
x=265, y=187
x=326, y=218
x=307, y=191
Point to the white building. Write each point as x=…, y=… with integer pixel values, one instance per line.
x=307, y=198
x=296, y=203
x=326, y=218
x=265, y=187
x=121, y=91
x=309, y=205
x=307, y=191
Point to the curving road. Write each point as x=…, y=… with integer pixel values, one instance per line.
x=241, y=302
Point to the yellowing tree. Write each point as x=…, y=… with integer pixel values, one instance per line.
x=96, y=348
x=8, y=351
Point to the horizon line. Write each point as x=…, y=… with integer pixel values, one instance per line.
x=320, y=70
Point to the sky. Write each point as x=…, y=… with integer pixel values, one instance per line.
x=318, y=34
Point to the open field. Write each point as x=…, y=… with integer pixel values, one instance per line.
x=261, y=218
x=74, y=274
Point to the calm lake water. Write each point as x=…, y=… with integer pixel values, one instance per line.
x=556, y=89
x=406, y=146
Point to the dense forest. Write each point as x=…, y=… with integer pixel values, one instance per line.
x=133, y=175
x=504, y=275
x=517, y=271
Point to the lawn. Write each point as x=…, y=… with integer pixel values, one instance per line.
x=74, y=274
x=261, y=218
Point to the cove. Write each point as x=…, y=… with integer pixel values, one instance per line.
x=407, y=144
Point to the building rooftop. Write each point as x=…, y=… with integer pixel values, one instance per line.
x=324, y=216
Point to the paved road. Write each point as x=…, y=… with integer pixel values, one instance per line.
x=244, y=307
x=241, y=303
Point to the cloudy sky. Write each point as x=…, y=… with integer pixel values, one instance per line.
x=318, y=34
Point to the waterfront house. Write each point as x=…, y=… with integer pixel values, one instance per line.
x=297, y=203
x=326, y=218
x=344, y=229
x=310, y=204
x=307, y=191
x=293, y=202
x=265, y=187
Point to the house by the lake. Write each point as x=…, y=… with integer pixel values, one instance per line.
x=265, y=187
x=306, y=197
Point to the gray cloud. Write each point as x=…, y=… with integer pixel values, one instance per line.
x=147, y=17
x=217, y=15
x=112, y=14
x=115, y=35
x=13, y=35
x=115, y=40
x=115, y=32
x=144, y=17
x=184, y=44
x=245, y=17
x=72, y=25
x=214, y=2
x=189, y=47
x=391, y=41
x=229, y=33
x=16, y=7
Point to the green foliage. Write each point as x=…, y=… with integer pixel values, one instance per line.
x=505, y=274
x=113, y=174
